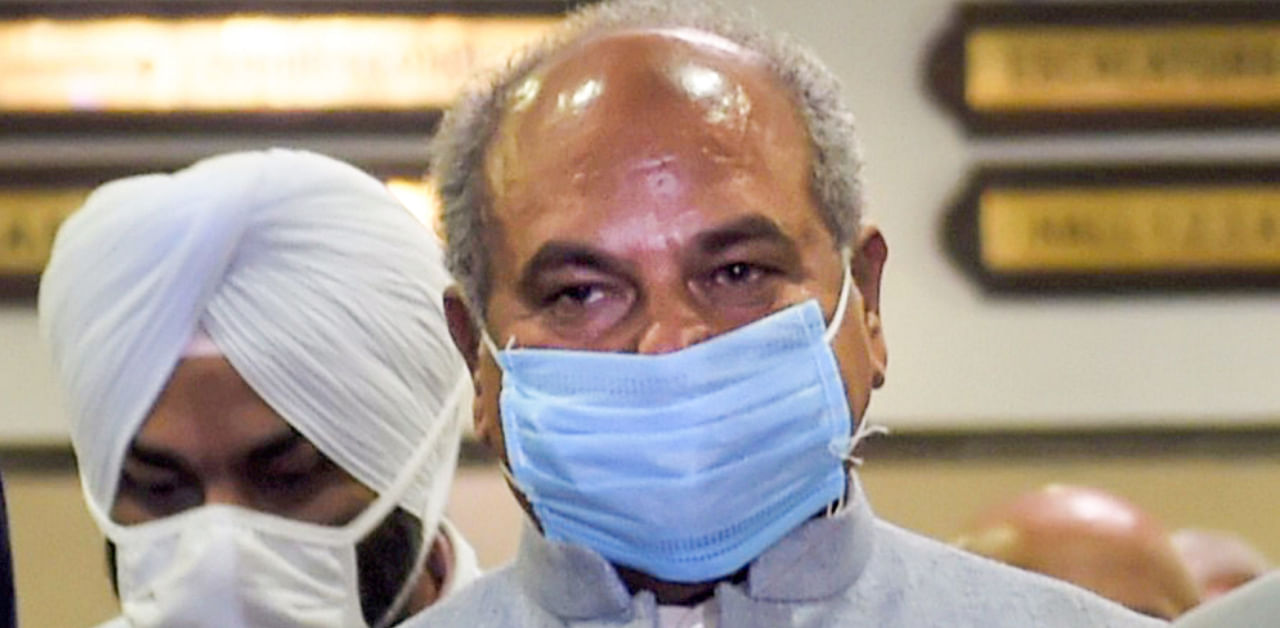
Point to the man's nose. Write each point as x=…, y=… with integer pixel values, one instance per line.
x=227, y=494
x=672, y=326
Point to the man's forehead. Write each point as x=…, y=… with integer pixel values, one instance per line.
x=648, y=135
x=640, y=81
x=692, y=41
x=665, y=66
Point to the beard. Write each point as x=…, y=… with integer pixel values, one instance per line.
x=385, y=562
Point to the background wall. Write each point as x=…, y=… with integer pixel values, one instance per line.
x=961, y=360
x=958, y=357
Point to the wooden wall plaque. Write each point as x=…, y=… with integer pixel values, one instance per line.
x=1033, y=67
x=198, y=66
x=1122, y=228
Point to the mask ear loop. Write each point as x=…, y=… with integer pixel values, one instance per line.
x=364, y=523
x=447, y=414
x=510, y=477
x=846, y=287
x=865, y=428
x=502, y=464
x=492, y=347
x=845, y=454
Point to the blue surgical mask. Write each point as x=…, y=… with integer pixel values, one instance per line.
x=684, y=465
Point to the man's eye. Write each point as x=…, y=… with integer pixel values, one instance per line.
x=581, y=295
x=739, y=285
x=160, y=495
x=154, y=489
x=294, y=474
x=286, y=482
x=737, y=273
x=584, y=309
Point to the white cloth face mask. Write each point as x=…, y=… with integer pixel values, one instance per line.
x=224, y=566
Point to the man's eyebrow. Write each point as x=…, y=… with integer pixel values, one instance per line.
x=154, y=456
x=558, y=254
x=277, y=446
x=755, y=227
x=158, y=457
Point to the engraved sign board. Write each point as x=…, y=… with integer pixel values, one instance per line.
x=1116, y=229
x=1030, y=67
x=313, y=71
x=29, y=218
x=33, y=204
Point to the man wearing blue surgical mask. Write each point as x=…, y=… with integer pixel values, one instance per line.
x=669, y=301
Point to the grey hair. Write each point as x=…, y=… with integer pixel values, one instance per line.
x=467, y=131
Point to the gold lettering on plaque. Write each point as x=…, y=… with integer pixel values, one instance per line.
x=1167, y=228
x=28, y=221
x=250, y=62
x=1135, y=68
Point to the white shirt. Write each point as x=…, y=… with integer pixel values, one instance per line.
x=703, y=615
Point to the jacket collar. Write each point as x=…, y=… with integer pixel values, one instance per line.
x=819, y=559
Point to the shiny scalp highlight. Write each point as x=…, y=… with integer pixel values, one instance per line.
x=459, y=148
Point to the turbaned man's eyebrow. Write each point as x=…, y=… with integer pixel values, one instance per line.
x=154, y=456
x=277, y=446
x=160, y=457
x=753, y=227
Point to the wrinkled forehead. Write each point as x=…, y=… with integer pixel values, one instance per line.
x=650, y=83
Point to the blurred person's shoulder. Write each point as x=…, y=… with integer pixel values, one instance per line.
x=1251, y=605
x=920, y=581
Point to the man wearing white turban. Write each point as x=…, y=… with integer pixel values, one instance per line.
x=263, y=395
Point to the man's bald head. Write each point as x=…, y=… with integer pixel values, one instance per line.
x=1092, y=539
x=1219, y=561
x=462, y=160
x=636, y=112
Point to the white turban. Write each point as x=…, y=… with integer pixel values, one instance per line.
x=322, y=291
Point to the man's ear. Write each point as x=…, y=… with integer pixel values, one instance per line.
x=462, y=327
x=466, y=337
x=870, y=253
